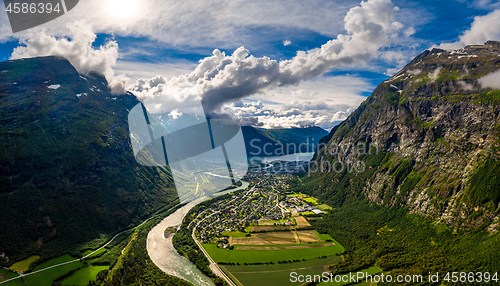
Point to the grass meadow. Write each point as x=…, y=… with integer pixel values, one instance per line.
x=265, y=255
x=84, y=275
x=23, y=266
x=278, y=274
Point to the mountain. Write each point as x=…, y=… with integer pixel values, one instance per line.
x=427, y=139
x=67, y=170
x=276, y=142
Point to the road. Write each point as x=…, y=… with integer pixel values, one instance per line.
x=213, y=266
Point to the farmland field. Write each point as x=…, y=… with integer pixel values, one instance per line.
x=278, y=274
x=306, y=236
x=24, y=265
x=281, y=237
x=234, y=233
x=16, y=282
x=46, y=277
x=270, y=228
x=301, y=222
x=310, y=201
x=253, y=256
x=6, y=274
x=84, y=275
x=324, y=207
x=296, y=246
x=271, y=222
x=324, y=236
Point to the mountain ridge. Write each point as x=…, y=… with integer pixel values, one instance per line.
x=437, y=136
x=66, y=160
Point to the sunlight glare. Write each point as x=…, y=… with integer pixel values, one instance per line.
x=122, y=9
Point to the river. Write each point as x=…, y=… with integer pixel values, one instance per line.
x=162, y=252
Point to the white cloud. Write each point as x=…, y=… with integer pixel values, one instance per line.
x=287, y=43
x=322, y=102
x=491, y=80
x=203, y=23
x=223, y=78
x=484, y=28
x=294, y=115
x=78, y=50
x=410, y=31
x=466, y=86
x=435, y=74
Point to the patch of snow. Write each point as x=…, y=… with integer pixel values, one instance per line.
x=54, y=86
x=394, y=78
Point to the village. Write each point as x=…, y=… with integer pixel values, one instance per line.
x=264, y=205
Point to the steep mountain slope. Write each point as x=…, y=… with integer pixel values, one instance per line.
x=427, y=139
x=281, y=141
x=67, y=171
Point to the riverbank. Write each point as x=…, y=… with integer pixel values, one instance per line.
x=165, y=256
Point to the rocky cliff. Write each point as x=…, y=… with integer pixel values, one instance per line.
x=427, y=139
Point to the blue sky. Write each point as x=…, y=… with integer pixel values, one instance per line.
x=169, y=39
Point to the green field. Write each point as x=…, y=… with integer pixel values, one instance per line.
x=278, y=274
x=97, y=254
x=253, y=256
x=310, y=200
x=307, y=213
x=234, y=234
x=370, y=271
x=6, y=274
x=16, y=282
x=273, y=221
x=324, y=207
x=45, y=278
x=263, y=246
x=84, y=275
x=324, y=236
x=24, y=265
x=87, y=252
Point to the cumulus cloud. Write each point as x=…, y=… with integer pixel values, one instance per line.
x=484, y=28
x=295, y=114
x=287, y=43
x=77, y=48
x=491, y=80
x=222, y=78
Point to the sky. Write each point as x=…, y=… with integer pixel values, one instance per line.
x=270, y=64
